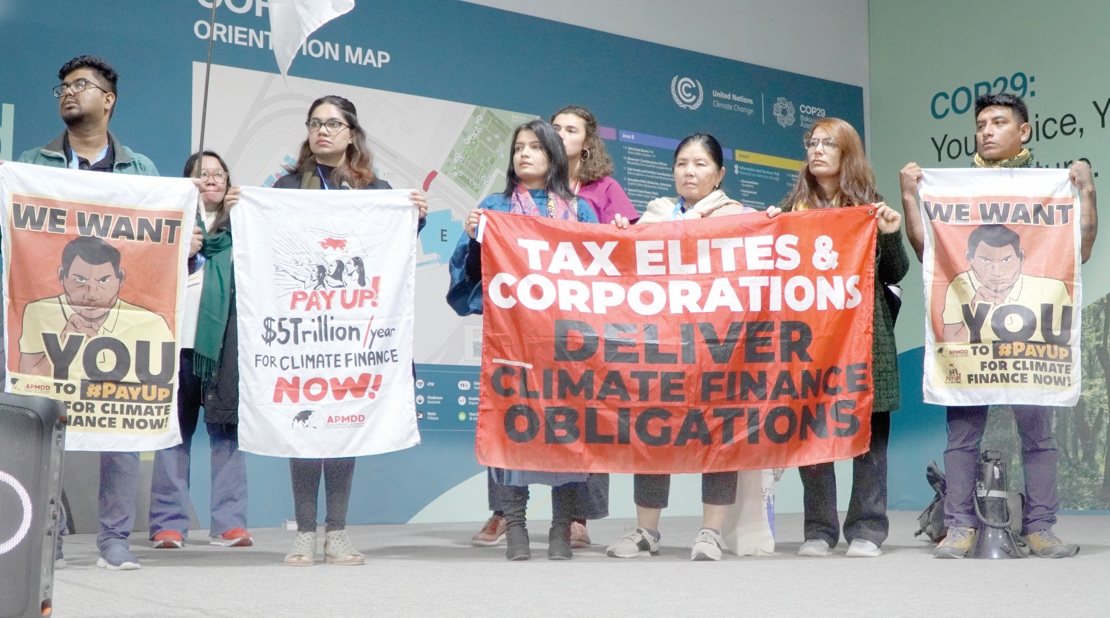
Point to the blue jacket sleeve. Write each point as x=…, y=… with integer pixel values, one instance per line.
x=465, y=293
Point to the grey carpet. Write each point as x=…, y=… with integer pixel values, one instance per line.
x=431, y=570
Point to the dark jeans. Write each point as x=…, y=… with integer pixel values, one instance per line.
x=515, y=504
x=652, y=490
x=867, y=509
x=591, y=499
x=338, y=474
x=1038, y=453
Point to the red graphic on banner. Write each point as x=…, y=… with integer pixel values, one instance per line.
x=339, y=244
x=720, y=344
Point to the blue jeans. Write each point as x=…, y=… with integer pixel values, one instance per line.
x=169, y=489
x=961, y=465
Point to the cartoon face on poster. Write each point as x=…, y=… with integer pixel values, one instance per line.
x=1002, y=286
x=92, y=311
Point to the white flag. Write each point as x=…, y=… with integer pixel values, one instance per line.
x=292, y=21
x=324, y=289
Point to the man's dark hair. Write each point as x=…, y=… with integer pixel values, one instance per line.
x=91, y=249
x=105, y=70
x=994, y=235
x=1005, y=99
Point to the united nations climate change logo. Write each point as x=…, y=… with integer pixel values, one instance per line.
x=683, y=92
x=784, y=112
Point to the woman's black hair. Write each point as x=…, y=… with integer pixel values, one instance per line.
x=710, y=143
x=557, y=179
x=192, y=169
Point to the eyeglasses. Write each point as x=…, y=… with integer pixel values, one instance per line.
x=813, y=142
x=219, y=176
x=332, y=125
x=77, y=86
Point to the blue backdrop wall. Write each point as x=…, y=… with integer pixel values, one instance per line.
x=426, y=76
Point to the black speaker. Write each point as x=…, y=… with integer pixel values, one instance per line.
x=32, y=444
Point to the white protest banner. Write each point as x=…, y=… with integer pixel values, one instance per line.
x=1002, y=287
x=324, y=284
x=94, y=277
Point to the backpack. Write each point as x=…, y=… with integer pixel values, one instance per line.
x=931, y=519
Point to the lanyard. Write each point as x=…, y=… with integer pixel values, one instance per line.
x=677, y=215
x=577, y=186
x=323, y=181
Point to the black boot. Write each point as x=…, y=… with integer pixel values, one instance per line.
x=516, y=505
x=558, y=539
x=562, y=513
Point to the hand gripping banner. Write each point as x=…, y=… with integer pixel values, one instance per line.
x=1002, y=287
x=94, y=275
x=324, y=284
x=718, y=344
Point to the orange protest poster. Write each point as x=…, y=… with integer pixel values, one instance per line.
x=94, y=266
x=1002, y=287
x=711, y=345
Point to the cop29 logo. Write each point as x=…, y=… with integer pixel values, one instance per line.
x=784, y=112
x=682, y=89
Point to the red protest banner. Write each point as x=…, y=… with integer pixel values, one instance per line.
x=720, y=344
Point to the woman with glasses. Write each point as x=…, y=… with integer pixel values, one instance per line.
x=698, y=171
x=208, y=376
x=836, y=174
x=535, y=185
x=334, y=155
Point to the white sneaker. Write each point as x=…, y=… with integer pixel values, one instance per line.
x=636, y=544
x=862, y=548
x=707, y=546
x=815, y=548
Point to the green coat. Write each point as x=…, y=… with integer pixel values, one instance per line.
x=127, y=161
x=891, y=264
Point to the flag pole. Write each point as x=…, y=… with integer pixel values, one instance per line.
x=207, y=75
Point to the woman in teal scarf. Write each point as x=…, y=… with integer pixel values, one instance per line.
x=208, y=376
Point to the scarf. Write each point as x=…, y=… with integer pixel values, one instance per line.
x=665, y=208
x=1023, y=159
x=522, y=203
x=215, y=303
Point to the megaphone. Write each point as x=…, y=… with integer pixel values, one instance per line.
x=995, y=540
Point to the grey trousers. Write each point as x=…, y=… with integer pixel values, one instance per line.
x=338, y=474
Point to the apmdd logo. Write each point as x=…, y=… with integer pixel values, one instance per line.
x=682, y=89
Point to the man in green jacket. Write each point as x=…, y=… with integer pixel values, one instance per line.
x=86, y=100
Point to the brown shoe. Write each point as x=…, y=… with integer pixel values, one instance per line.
x=492, y=533
x=579, y=537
